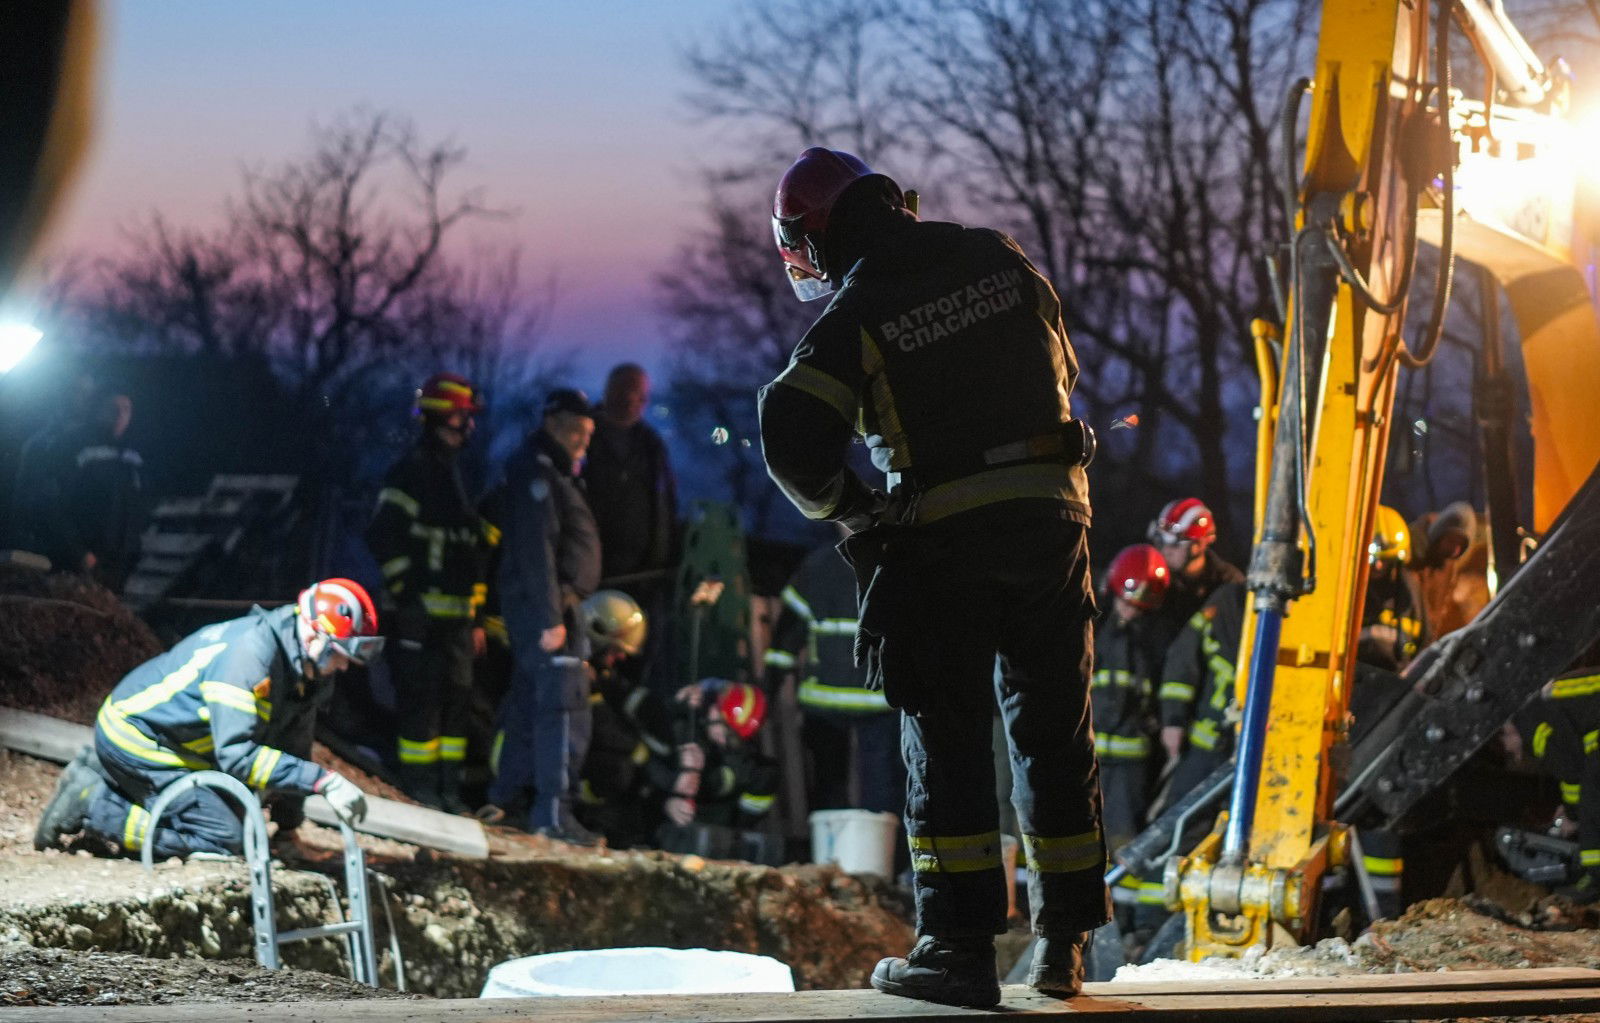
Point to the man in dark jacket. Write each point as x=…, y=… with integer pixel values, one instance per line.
x=629, y=483
x=1186, y=535
x=549, y=562
x=1197, y=688
x=431, y=545
x=946, y=347
x=239, y=697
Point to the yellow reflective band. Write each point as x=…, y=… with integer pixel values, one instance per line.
x=1589, y=858
x=443, y=605
x=124, y=735
x=452, y=748
x=1203, y=734
x=204, y=744
x=1065, y=854
x=494, y=752
x=1541, y=738
x=852, y=698
x=173, y=683
x=395, y=566
x=480, y=596
x=829, y=390
x=400, y=499
x=797, y=603
x=225, y=695
x=834, y=627
x=754, y=804
x=492, y=533
x=1571, y=792
x=889, y=424
x=1152, y=893
x=1584, y=685
x=640, y=755
x=1038, y=480
x=412, y=752
x=494, y=627
x=779, y=659
x=1181, y=691
x=1591, y=741
x=1389, y=866
x=134, y=828
x=1122, y=747
x=955, y=854
x=1115, y=678
x=261, y=768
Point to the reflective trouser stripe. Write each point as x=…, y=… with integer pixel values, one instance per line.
x=1382, y=866
x=426, y=752
x=1042, y=480
x=452, y=748
x=1565, y=688
x=779, y=659
x=1180, y=691
x=1130, y=891
x=1203, y=734
x=1571, y=792
x=754, y=804
x=1591, y=741
x=134, y=828
x=1122, y=747
x=852, y=698
x=396, y=566
x=949, y=854
x=1589, y=858
x=1541, y=738
x=1050, y=855
x=443, y=605
x=494, y=752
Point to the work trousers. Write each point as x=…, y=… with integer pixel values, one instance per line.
x=432, y=663
x=873, y=768
x=1013, y=581
x=199, y=820
x=1125, y=786
x=545, y=725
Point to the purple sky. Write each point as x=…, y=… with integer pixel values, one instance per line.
x=571, y=113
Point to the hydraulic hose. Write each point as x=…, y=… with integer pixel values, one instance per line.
x=1434, y=332
x=1289, y=120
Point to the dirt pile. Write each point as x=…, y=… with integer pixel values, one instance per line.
x=64, y=643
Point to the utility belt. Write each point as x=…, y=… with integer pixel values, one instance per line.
x=1073, y=444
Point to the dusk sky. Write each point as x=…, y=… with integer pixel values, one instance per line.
x=572, y=114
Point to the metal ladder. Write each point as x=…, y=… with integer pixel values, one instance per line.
x=357, y=930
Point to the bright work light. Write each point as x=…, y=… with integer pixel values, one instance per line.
x=16, y=341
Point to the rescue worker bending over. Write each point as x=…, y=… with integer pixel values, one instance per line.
x=850, y=731
x=431, y=545
x=239, y=697
x=947, y=348
x=1127, y=663
x=737, y=783
x=549, y=562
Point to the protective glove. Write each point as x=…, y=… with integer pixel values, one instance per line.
x=691, y=757
x=686, y=784
x=348, y=801
x=680, y=811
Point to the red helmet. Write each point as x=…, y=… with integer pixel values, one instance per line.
x=1139, y=575
x=446, y=393
x=341, y=611
x=743, y=707
x=1185, y=519
x=806, y=194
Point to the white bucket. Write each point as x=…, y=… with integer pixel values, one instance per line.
x=859, y=841
x=636, y=971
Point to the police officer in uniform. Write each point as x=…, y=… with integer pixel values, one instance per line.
x=549, y=562
x=947, y=348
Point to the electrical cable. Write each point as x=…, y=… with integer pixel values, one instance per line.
x=1434, y=332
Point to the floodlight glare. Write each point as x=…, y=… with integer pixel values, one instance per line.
x=16, y=341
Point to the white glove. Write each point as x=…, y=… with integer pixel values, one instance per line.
x=349, y=802
x=691, y=757
x=680, y=811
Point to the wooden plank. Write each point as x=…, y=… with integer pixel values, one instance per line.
x=1442, y=980
x=41, y=736
x=49, y=738
x=1371, y=1002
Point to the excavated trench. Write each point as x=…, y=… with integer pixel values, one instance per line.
x=456, y=919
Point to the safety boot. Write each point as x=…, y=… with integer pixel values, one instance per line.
x=421, y=782
x=950, y=971
x=1057, y=967
x=450, y=800
x=68, y=809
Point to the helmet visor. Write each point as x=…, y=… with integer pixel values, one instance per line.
x=360, y=649
x=806, y=287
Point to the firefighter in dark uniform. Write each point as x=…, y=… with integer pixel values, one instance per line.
x=239, y=697
x=1393, y=627
x=738, y=782
x=815, y=638
x=431, y=543
x=1197, y=688
x=946, y=348
x=1186, y=534
x=1561, y=729
x=549, y=562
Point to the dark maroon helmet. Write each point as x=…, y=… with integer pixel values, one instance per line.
x=800, y=210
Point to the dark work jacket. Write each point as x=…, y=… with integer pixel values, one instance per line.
x=550, y=547
x=91, y=501
x=815, y=634
x=1127, y=665
x=233, y=697
x=943, y=344
x=1185, y=596
x=633, y=495
x=429, y=540
x=1393, y=602
x=1197, y=680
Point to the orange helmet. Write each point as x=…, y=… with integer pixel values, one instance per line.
x=1139, y=575
x=340, y=611
x=446, y=393
x=743, y=707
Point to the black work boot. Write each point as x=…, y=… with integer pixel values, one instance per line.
x=421, y=782
x=450, y=800
x=1057, y=967
x=68, y=808
x=951, y=971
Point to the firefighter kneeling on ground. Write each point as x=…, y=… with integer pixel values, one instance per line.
x=734, y=784
x=239, y=697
